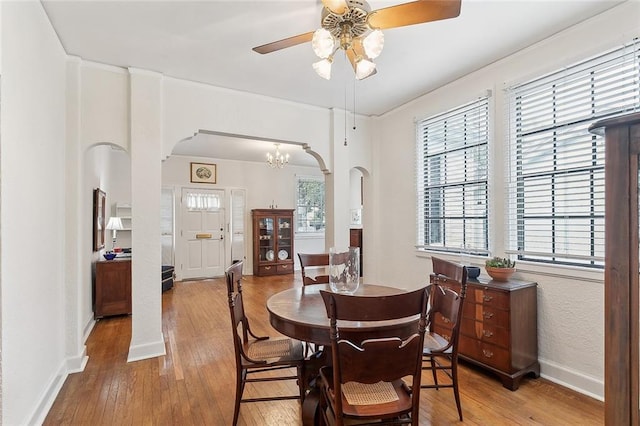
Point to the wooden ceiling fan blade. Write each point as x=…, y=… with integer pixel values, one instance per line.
x=284, y=43
x=415, y=12
x=336, y=6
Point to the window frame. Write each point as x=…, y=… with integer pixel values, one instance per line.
x=476, y=115
x=311, y=233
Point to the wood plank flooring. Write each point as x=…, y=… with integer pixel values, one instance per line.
x=194, y=383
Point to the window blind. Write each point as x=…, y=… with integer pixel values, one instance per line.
x=452, y=169
x=556, y=167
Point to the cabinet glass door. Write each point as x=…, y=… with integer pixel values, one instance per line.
x=266, y=239
x=284, y=238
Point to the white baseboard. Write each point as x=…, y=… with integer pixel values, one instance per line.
x=572, y=379
x=88, y=327
x=49, y=396
x=77, y=363
x=148, y=350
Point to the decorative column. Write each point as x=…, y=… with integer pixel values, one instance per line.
x=621, y=302
x=147, y=340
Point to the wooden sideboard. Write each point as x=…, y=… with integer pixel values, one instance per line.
x=499, y=328
x=112, y=288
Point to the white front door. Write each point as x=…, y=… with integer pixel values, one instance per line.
x=202, y=233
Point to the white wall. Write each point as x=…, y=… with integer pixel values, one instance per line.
x=570, y=308
x=105, y=105
x=32, y=196
x=119, y=192
x=264, y=187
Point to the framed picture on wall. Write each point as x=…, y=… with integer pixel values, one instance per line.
x=203, y=173
x=99, y=200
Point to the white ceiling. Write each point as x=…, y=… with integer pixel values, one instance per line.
x=211, y=41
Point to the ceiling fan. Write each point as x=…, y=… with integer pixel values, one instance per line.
x=352, y=26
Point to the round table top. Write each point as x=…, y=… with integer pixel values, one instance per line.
x=300, y=313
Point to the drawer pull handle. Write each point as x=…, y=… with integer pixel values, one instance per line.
x=487, y=298
x=487, y=315
x=284, y=266
x=487, y=353
x=267, y=267
x=487, y=333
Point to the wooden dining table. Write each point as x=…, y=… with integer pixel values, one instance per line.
x=300, y=313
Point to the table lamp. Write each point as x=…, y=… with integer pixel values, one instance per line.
x=114, y=224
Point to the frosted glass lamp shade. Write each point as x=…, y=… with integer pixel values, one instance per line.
x=323, y=43
x=364, y=68
x=323, y=68
x=373, y=44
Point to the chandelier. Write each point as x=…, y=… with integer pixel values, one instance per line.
x=277, y=160
x=350, y=31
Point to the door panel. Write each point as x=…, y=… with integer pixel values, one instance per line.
x=203, y=233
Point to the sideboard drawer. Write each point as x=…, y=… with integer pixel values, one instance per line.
x=485, y=314
x=488, y=297
x=485, y=332
x=486, y=353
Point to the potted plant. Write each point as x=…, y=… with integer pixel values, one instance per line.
x=500, y=268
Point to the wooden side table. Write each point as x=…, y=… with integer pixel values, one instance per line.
x=112, y=288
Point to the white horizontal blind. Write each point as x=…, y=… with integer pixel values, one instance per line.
x=556, y=179
x=452, y=169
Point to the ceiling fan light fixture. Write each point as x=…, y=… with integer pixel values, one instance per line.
x=323, y=68
x=364, y=68
x=373, y=44
x=323, y=43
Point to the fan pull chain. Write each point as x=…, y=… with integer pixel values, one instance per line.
x=354, y=104
x=345, y=109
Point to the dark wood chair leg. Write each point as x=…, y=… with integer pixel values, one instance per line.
x=456, y=394
x=434, y=370
x=240, y=376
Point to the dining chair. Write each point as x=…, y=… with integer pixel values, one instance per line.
x=365, y=381
x=314, y=260
x=254, y=354
x=444, y=321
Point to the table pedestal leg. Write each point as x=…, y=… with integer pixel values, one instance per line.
x=311, y=415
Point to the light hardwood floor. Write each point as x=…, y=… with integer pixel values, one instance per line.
x=194, y=383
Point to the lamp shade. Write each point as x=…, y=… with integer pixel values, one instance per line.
x=115, y=224
x=364, y=68
x=323, y=43
x=323, y=68
x=373, y=44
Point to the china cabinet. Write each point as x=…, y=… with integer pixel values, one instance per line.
x=273, y=233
